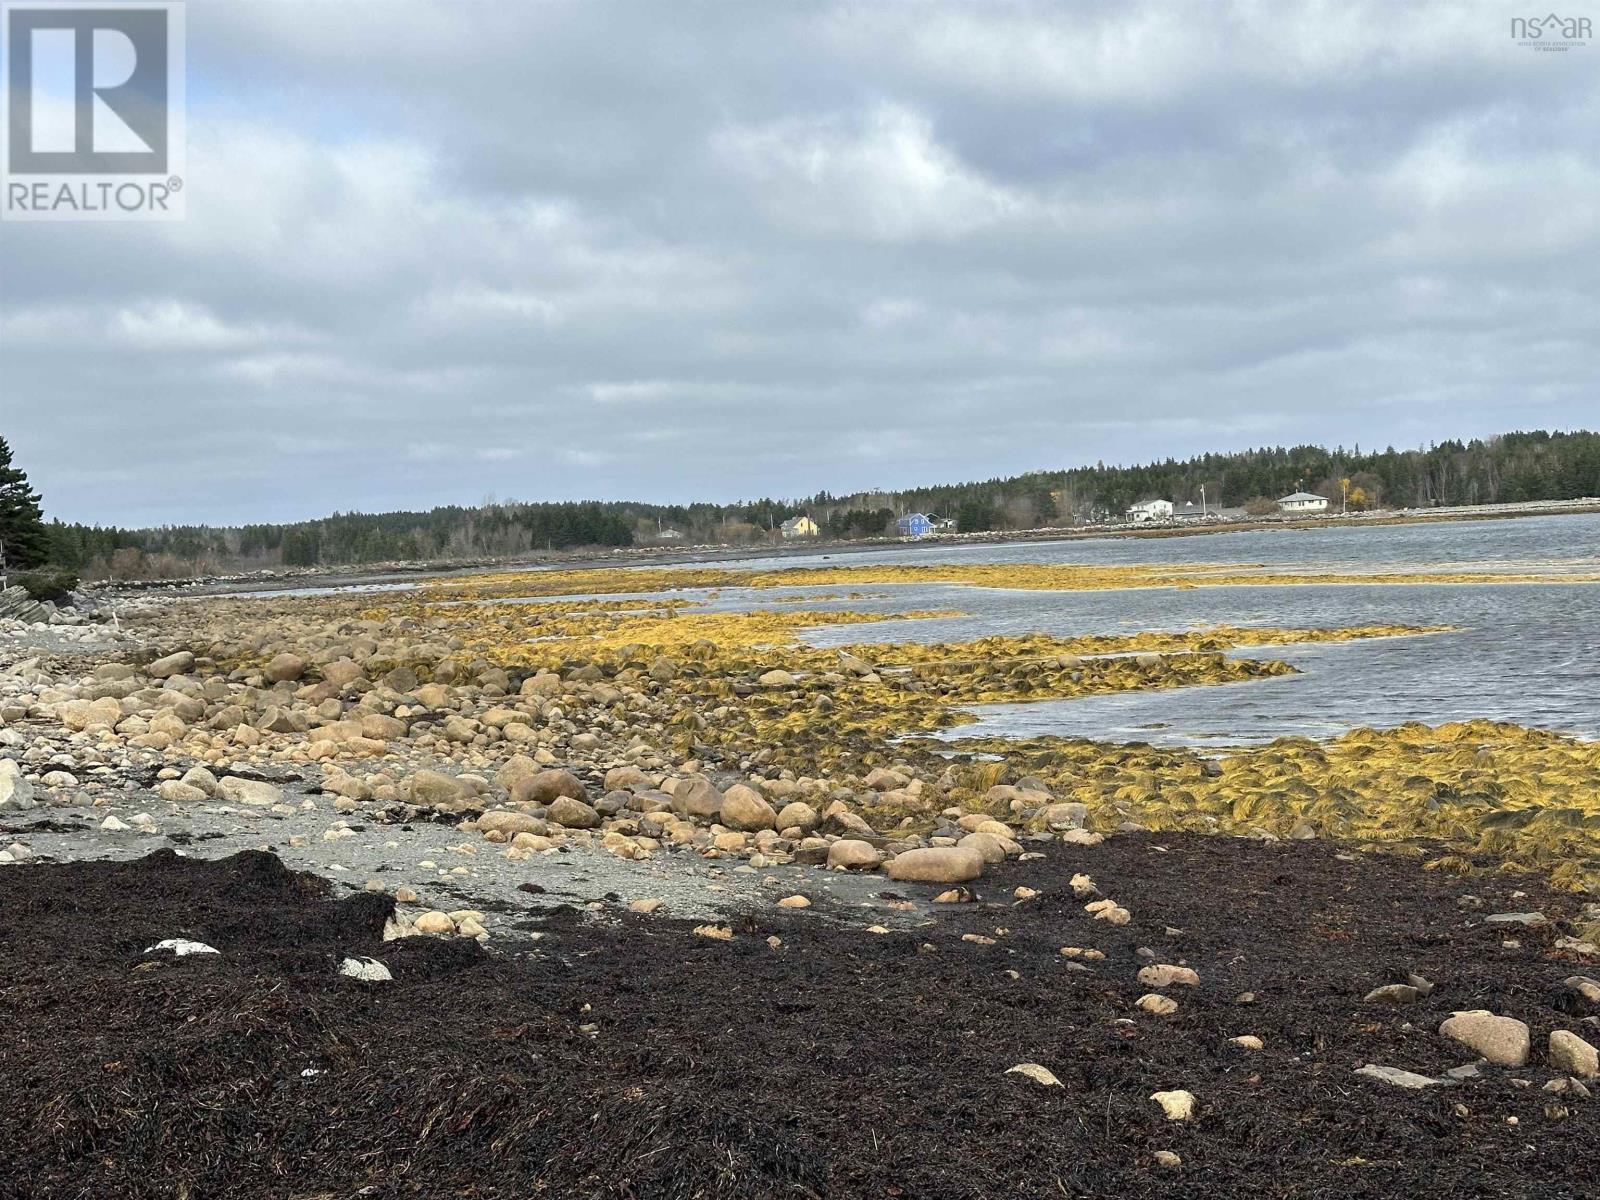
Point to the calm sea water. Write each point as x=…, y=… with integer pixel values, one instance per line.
x=1521, y=652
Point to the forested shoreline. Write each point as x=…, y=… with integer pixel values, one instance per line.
x=1511, y=468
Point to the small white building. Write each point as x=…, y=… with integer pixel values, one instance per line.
x=1150, y=510
x=1303, y=502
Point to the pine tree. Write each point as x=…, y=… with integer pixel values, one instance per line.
x=22, y=532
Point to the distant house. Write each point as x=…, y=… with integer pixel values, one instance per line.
x=1303, y=502
x=942, y=524
x=1192, y=512
x=915, y=525
x=801, y=526
x=669, y=535
x=1150, y=510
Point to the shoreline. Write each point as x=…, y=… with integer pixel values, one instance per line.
x=363, y=574
x=647, y=895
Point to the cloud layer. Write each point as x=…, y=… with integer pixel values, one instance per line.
x=567, y=250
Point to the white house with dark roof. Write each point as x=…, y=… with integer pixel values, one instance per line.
x=1303, y=502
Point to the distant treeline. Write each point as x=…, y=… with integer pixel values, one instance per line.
x=1514, y=467
x=1511, y=468
x=453, y=531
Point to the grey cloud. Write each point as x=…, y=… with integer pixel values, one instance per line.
x=713, y=251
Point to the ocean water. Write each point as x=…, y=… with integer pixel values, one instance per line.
x=1528, y=653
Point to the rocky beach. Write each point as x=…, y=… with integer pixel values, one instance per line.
x=571, y=883
x=831, y=601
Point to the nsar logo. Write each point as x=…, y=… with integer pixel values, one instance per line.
x=1551, y=32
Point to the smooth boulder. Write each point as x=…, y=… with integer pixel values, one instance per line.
x=1502, y=1040
x=1574, y=1056
x=852, y=854
x=547, y=787
x=743, y=808
x=180, y=663
x=573, y=814
x=284, y=667
x=937, y=864
x=699, y=799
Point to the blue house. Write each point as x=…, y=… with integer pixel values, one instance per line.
x=915, y=525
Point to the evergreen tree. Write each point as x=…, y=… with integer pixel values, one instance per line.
x=22, y=532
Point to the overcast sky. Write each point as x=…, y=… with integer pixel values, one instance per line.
x=716, y=251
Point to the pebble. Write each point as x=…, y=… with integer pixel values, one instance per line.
x=1162, y=1006
x=1162, y=975
x=1394, y=994
x=368, y=970
x=794, y=902
x=1040, y=1075
x=1399, y=1078
x=1247, y=1041
x=182, y=947
x=435, y=922
x=721, y=933
x=1177, y=1104
x=1578, y=946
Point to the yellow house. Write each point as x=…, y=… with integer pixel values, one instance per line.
x=801, y=526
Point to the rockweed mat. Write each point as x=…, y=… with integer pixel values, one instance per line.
x=626, y=1058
